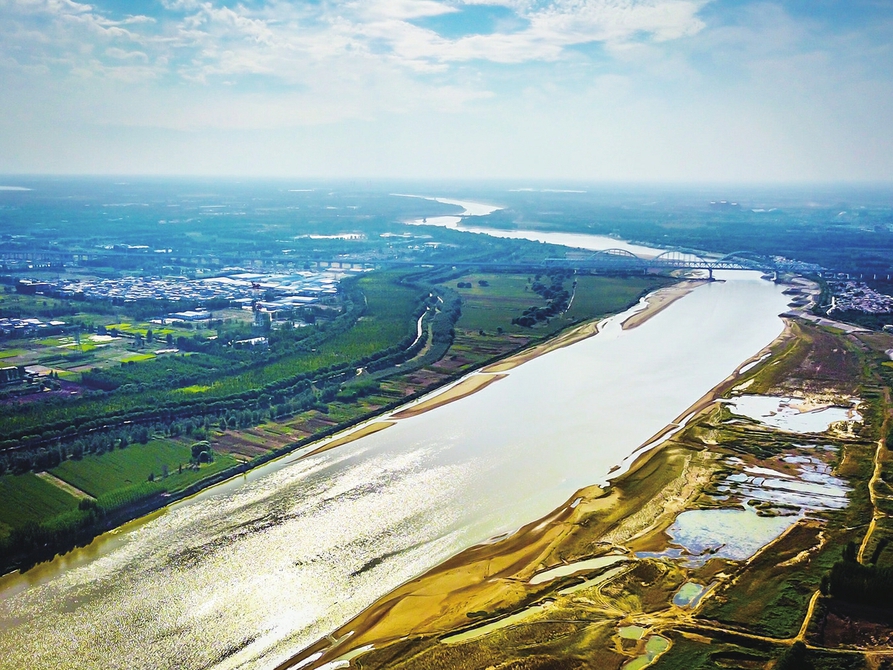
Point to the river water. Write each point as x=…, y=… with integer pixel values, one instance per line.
x=576, y=240
x=246, y=574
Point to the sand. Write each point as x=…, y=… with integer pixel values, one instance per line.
x=464, y=388
x=496, y=574
x=661, y=299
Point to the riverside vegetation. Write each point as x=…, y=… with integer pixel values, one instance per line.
x=155, y=430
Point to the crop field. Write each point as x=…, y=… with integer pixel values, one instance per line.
x=599, y=296
x=29, y=499
x=503, y=297
x=494, y=305
x=121, y=468
x=136, y=358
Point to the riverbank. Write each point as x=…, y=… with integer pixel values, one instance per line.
x=643, y=500
x=327, y=436
x=655, y=302
x=473, y=384
x=659, y=300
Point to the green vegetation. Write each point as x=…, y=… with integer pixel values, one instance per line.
x=862, y=584
x=493, y=305
x=27, y=499
x=377, y=325
x=600, y=296
x=687, y=654
x=104, y=473
x=137, y=358
x=496, y=303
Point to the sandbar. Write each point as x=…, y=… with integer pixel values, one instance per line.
x=660, y=299
x=368, y=429
x=464, y=388
x=565, y=339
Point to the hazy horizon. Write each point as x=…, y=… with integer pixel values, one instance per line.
x=653, y=91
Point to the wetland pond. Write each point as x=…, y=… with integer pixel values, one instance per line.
x=246, y=574
x=789, y=414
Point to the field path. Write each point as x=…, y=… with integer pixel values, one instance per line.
x=65, y=486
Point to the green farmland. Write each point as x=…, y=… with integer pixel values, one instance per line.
x=28, y=499
x=98, y=475
x=503, y=297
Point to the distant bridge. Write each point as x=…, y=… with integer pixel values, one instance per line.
x=674, y=259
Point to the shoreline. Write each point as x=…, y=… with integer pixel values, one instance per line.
x=466, y=387
x=655, y=302
x=708, y=399
x=436, y=602
x=450, y=391
x=660, y=299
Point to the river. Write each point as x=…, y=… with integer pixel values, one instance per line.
x=576, y=240
x=246, y=574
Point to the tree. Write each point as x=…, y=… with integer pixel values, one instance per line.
x=794, y=658
x=150, y=336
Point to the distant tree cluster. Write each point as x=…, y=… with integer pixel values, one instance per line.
x=556, y=296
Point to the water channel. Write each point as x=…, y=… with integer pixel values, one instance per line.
x=246, y=574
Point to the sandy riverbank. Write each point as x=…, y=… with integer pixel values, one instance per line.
x=640, y=504
x=368, y=429
x=464, y=388
x=565, y=339
x=662, y=298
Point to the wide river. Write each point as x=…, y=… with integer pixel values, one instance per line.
x=250, y=572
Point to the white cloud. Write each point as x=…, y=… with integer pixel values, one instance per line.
x=203, y=39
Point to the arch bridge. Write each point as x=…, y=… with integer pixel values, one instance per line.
x=673, y=259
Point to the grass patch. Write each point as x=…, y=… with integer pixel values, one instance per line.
x=600, y=296
x=28, y=499
x=688, y=654
x=495, y=304
x=195, y=388
x=10, y=353
x=136, y=358
x=55, y=341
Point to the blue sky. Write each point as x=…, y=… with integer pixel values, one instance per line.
x=591, y=90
